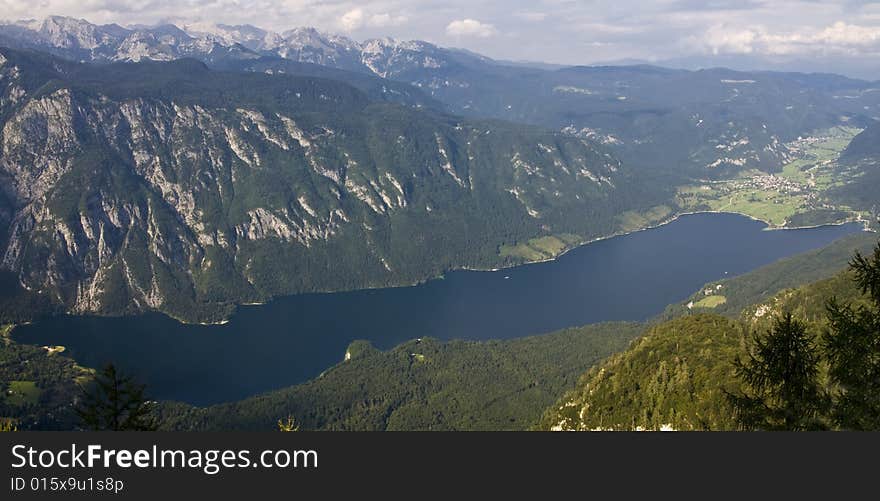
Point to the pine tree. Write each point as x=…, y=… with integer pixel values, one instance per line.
x=115, y=402
x=852, y=344
x=780, y=381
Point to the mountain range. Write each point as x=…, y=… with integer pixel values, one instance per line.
x=717, y=119
x=80, y=40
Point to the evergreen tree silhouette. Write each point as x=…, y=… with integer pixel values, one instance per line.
x=115, y=402
x=852, y=344
x=780, y=381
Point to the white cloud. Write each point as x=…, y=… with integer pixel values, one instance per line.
x=385, y=20
x=470, y=28
x=352, y=20
x=358, y=18
x=837, y=38
x=723, y=40
x=841, y=33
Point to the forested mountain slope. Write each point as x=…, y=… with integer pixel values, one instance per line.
x=677, y=376
x=862, y=159
x=424, y=384
x=865, y=146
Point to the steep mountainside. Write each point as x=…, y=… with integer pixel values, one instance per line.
x=862, y=159
x=865, y=146
x=672, y=378
x=172, y=187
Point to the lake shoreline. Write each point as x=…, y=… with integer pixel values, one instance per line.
x=671, y=219
x=675, y=217
x=295, y=338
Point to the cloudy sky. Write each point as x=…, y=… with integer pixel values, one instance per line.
x=559, y=31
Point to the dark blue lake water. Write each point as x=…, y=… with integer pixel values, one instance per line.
x=293, y=339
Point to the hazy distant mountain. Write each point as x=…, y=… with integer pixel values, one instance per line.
x=853, y=67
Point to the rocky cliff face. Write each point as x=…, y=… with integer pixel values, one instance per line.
x=134, y=195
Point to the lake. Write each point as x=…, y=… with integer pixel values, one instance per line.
x=293, y=339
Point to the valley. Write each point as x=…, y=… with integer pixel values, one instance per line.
x=379, y=234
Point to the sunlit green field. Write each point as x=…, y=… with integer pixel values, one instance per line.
x=710, y=302
x=538, y=249
x=631, y=220
x=22, y=393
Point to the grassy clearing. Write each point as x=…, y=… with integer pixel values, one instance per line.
x=710, y=302
x=541, y=248
x=54, y=350
x=795, y=171
x=5, y=332
x=632, y=220
x=21, y=393
x=772, y=207
x=743, y=196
